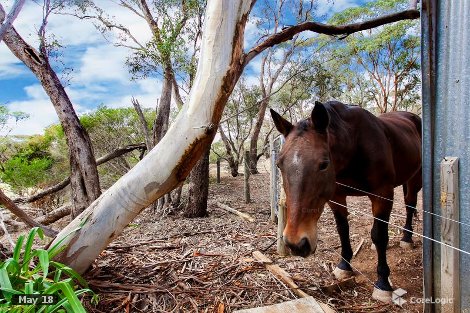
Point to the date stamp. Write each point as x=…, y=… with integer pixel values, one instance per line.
x=34, y=299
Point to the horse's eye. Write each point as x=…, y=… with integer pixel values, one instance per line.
x=324, y=165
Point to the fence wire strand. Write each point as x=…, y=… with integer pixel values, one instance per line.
x=402, y=228
x=408, y=206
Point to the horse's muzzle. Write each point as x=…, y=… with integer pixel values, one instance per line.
x=302, y=248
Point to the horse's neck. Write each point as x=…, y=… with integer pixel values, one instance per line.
x=342, y=148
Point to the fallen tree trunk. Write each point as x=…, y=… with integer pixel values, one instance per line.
x=55, y=188
x=13, y=208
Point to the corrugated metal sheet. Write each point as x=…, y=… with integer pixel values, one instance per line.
x=446, y=126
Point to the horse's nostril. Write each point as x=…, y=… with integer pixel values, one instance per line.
x=301, y=249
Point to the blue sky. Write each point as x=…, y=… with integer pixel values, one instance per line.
x=99, y=74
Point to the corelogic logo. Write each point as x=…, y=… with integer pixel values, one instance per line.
x=397, y=297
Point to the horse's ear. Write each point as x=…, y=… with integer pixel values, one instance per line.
x=282, y=125
x=320, y=117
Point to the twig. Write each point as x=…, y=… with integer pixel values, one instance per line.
x=359, y=246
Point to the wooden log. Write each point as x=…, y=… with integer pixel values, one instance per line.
x=13, y=208
x=231, y=210
x=450, y=284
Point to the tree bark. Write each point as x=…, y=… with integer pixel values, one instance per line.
x=198, y=188
x=163, y=114
x=253, y=161
x=84, y=174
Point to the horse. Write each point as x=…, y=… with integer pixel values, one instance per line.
x=342, y=150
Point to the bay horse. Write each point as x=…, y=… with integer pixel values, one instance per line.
x=342, y=146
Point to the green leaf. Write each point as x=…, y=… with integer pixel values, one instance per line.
x=29, y=244
x=43, y=256
x=18, y=247
x=69, y=271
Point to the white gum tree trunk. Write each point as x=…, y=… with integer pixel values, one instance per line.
x=171, y=160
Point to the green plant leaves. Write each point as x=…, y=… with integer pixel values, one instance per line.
x=28, y=272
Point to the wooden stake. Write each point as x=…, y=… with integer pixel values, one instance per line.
x=450, y=285
x=247, y=177
x=218, y=170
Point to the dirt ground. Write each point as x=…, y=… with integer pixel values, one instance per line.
x=166, y=263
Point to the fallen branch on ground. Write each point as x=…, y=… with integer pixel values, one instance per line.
x=231, y=210
x=55, y=215
x=13, y=208
x=57, y=187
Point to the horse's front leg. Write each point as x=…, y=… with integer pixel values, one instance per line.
x=343, y=270
x=381, y=210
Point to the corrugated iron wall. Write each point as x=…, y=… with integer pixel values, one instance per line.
x=446, y=128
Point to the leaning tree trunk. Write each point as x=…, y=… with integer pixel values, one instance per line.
x=255, y=136
x=232, y=162
x=84, y=174
x=198, y=188
x=168, y=164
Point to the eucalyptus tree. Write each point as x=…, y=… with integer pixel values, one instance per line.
x=222, y=61
x=84, y=173
x=381, y=66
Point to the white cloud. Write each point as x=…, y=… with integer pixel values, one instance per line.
x=40, y=110
x=103, y=63
x=333, y=6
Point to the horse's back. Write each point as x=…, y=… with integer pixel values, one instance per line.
x=387, y=148
x=403, y=131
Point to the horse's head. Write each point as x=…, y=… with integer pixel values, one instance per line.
x=308, y=177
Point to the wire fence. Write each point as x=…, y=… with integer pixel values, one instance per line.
x=276, y=186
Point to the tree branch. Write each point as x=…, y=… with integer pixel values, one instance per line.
x=15, y=10
x=108, y=157
x=13, y=208
x=289, y=32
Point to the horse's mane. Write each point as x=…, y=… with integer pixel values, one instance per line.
x=337, y=124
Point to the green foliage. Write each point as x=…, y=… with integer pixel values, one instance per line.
x=29, y=165
x=112, y=128
x=32, y=271
x=379, y=68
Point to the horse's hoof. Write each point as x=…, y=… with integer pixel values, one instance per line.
x=342, y=274
x=382, y=295
x=406, y=245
